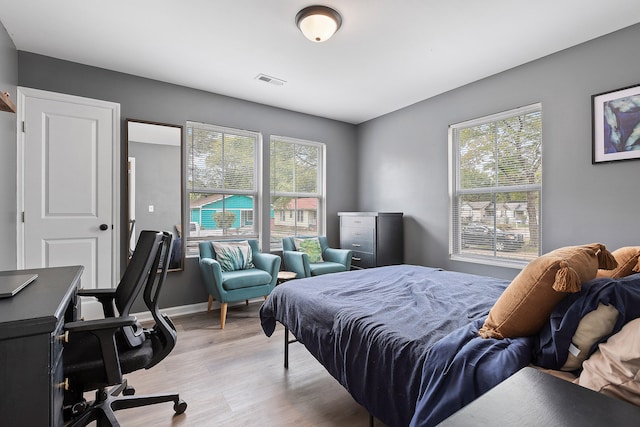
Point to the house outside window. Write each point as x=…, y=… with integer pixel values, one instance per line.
x=246, y=218
x=222, y=172
x=495, y=186
x=297, y=188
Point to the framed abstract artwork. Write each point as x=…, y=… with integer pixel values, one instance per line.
x=616, y=125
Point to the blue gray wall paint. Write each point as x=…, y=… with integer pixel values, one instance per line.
x=8, y=143
x=146, y=99
x=397, y=162
x=404, y=154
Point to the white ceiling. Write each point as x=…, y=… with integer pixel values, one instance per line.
x=388, y=53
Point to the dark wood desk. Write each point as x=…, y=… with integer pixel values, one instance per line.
x=532, y=398
x=31, y=340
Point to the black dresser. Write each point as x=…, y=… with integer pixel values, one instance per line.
x=31, y=347
x=376, y=238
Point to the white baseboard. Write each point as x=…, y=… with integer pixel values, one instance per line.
x=92, y=309
x=185, y=309
x=173, y=311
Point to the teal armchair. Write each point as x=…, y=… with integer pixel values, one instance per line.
x=335, y=260
x=239, y=285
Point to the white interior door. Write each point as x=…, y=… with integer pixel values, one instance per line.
x=69, y=179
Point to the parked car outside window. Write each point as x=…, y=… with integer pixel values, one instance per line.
x=484, y=236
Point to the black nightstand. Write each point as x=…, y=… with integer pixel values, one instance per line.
x=532, y=398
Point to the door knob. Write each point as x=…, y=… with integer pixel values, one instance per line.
x=104, y=227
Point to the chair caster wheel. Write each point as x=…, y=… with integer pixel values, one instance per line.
x=180, y=406
x=129, y=391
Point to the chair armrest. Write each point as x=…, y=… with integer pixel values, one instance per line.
x=98, y=293
x=267, y=262
x=212, y=275
x=105, y=296
x=298, y=262
x=113, y=323
x=342, y=256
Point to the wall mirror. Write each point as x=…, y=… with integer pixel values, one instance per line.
x=154, y=184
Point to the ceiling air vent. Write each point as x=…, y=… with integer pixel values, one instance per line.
x=270, y=80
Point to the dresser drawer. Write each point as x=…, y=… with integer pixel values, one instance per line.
x=362, y=246
x=358, y=221
x=357, y=239
x=357, y=234
x=363, y=260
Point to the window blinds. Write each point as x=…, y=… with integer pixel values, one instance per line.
x=496, y=183
x=297, y=188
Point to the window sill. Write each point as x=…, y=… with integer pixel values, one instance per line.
x=497, y=262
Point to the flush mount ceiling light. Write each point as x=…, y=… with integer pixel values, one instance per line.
x=318, y=23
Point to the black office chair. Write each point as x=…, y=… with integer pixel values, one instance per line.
x=99, y=352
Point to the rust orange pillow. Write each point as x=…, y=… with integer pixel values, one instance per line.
x=628, y=259
x=527, y=302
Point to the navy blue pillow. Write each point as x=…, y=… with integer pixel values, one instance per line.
x=551, y=346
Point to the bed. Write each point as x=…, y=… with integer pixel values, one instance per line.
x=403, y=340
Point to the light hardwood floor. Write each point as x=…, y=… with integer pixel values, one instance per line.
x=235, y=377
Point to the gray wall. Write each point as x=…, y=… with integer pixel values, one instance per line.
x=8, y=142
x=152, y=100
x=404, y=163
x=397, y=162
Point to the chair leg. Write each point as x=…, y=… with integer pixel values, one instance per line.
x=102, y=409
x=209, y=304
x=137, y=401
x=223, y=314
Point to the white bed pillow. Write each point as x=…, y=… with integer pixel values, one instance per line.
x=614, y=369
x=594, y=326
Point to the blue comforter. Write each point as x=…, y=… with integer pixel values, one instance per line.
x=462, y=367
x=403, y=340
x=373, y=329
x=467, y=366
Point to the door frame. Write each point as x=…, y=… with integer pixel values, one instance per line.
x=23, y=94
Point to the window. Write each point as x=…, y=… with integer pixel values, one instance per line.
x=495, y=187
x=222, y=171
x=297, y=188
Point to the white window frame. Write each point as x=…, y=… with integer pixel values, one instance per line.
x=455, y=191
x=256, y=193
x=321, y=181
